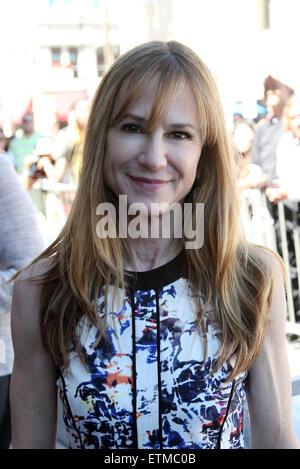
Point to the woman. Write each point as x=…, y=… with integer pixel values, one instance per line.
x=150, y=342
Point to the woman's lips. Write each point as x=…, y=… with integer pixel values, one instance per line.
x=148, y=183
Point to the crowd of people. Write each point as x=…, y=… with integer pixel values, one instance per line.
x=269, y=161
x=267, y=154
x=55, y=157
x=52, y=159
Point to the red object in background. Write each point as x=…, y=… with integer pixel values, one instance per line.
x=65, y=101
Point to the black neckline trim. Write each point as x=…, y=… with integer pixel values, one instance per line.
x=159, y=277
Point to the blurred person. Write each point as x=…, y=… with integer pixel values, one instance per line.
x=41, y=163
x=20, y=241
x=153, y=344
x=23, y=145
x=69, y=140
x=254, y=213
x=287, y=187
x=267, y=135
x=51, y=202
x=249, y=174
x=40, y=167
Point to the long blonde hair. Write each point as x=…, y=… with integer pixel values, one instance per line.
x=227, y=271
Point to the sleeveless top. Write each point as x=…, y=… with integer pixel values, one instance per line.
x=146, y=384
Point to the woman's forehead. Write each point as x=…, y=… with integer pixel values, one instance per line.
x=156, y=98
x=139, y=94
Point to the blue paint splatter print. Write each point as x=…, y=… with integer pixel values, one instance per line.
x=147, y=384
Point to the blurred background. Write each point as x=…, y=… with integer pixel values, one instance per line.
x=56, y=51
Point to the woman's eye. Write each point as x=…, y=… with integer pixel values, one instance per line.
x=132, y=128
x=179, y=135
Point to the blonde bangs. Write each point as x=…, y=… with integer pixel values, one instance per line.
x=169, y=85
x=170, y=82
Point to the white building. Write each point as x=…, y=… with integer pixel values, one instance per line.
x=75, y=41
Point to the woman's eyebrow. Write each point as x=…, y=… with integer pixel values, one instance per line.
x=135, y=117
x=142, y=120
x=182, y=126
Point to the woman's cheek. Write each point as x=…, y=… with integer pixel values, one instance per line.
x=123, y=149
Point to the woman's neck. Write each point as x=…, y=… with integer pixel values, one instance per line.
x=147, y=254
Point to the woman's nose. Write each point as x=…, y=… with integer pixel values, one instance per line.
x=154, y=154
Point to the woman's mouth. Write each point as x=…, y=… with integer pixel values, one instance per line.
x=149, y=183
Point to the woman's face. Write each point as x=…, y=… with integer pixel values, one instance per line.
x=155, y=167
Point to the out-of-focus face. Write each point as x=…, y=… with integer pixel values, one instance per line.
x=273, y=100
x=242, y=137
x=294, y=118
x=155, y=167
x=276, y=99
x=28, y=124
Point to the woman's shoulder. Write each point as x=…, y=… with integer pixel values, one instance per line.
x=266, y=254
x=269, y=262
x=26, y=298
x=35, y=271
x=25, y=312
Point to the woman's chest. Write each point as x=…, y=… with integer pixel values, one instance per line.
x=148, y=382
